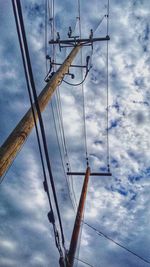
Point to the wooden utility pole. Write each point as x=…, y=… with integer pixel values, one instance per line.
x=79, y=216
x=14, y=142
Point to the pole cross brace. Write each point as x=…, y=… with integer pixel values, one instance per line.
x=74, y=66
x=91, y=174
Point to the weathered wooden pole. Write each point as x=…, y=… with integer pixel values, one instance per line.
x=14, y=142
x=77, y=224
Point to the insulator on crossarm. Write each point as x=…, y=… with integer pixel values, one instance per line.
x=108, y=168
x=69, y=32
x=67, y=167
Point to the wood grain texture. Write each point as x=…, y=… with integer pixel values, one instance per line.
x=16, y=139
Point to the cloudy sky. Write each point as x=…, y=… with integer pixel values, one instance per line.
x=117, y=206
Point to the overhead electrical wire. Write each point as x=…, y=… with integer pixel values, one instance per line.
x=80, y=83
x=61, y=156
x=46, y=10
x=82, y=86
x=84, y=116
x=107, y=89
x=100, y=22
x=31, y=86
x=59, y=111
x=86, y=263
x=58, y=108
x=115, y=242
x=24, y=47
x=51, y=17
x=62, y=134
x=32, y=107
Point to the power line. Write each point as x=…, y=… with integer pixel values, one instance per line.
x=57, y=137
x=46, y=6
x=24, y=49
x=83, y=92
x=107, y=89
x=115, y=242
x=59, y=111
x=100, y=22
x=61, y=156
x=31, y=102
x=77, y=84
x=83, y=262
x=62, y=135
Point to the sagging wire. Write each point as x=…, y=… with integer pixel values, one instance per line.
x=80, y=83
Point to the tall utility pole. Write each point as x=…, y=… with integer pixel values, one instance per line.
x=14, y=142
x=79, y=216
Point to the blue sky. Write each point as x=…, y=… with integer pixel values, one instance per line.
x=118, y=205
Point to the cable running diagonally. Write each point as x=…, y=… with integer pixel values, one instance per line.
x=101, y=20
x=18, y=9
x=32, y=107
x=86, y=263
x=118, y=244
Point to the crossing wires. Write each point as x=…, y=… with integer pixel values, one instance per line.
x=32, y=91
x=56, y=106
x=82, y=86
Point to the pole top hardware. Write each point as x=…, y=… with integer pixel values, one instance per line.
x=52, y=63
x=75, y=40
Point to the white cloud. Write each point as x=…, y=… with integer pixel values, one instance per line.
x=118, y=205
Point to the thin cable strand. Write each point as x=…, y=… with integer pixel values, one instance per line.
x=107, y=89
x=83, y=262
x=61, y=157
x=20, y=37
x=62, y=134
x=82, y=86
x=18, y=5
x=118, y=244
x=59, y=108
x=53, y=113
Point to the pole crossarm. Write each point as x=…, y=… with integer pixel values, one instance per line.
x=79, y=41
x=91, y=174
x=14, y=142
